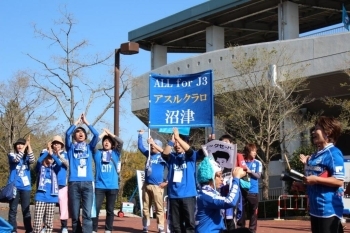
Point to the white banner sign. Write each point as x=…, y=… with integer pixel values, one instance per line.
x=140, y=175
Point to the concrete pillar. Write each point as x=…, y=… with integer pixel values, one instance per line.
x=215, y=38
x=288, y=21
x=158, y=56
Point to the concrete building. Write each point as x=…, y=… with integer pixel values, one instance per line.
x=211, y=28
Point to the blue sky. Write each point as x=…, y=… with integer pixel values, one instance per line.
x=105, y=23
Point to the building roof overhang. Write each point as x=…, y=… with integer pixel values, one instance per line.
x=244, y=22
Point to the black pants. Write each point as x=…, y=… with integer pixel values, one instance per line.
x=182, y=214
x=23, y=197
x=111, y=197
x=230, y=225
x=326, y=225
x=250, y=208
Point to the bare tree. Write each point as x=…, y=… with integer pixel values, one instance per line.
x=65, y=78
x=255, y=107
x=23, y=110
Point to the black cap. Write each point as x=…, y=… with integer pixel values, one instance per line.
x=20, y=141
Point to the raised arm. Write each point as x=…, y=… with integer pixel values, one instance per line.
x=168, y=148
x=151, y=142
x=220, y=202
x=70, y=130
x=140, y=144
x=29, y=150
x=182, y=143
x=230, y=200
x=63, y=159
x=43, y=156
x=94, y=139
x=118, y=141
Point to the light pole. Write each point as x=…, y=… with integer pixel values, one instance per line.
x=128, y=48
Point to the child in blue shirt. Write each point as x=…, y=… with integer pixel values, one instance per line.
x=46, y=195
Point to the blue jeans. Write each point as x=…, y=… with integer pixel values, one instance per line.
x=80, y=192
x=24, y=196
x=111, y=196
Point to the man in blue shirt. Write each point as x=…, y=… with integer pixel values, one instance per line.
x=153, y=188
x=80, y=183
x=182, y=190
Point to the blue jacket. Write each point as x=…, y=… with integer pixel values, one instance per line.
x=158, y=165
x=16, y=162
x=47, y=196
x=76, y=171
x=209, y=205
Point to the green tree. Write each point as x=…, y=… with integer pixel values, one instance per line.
x=131, y=161
x=260, y=107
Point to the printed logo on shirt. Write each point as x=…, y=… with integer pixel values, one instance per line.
x=106, y=168
x=313, y=168
x=339, y=169
x=181, y=167
x=319, y=160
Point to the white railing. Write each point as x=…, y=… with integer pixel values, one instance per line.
x=274, y=193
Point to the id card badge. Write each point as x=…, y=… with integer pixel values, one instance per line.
x=82, y=171
x=25, y=180
x=177, y=176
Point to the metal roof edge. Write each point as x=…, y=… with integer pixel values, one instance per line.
x=182, y=17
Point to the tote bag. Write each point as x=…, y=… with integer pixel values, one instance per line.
x=8, y=192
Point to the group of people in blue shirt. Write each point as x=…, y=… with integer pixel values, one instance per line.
x=74, y=157
x=194, y=201
x=324, y=177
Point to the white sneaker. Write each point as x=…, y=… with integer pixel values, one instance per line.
x=64, y=230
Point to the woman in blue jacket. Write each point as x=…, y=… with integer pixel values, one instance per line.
x=209, y=201
x=19, y=162
x=106, y=178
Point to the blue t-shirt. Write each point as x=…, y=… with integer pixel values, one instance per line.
x=256, y=167
x=181, y=176
x=46, y=195
x=326, y=201
x=209, y=206
x=106, y=172
x=80, y=169
x=20, y=168
x=157, y=163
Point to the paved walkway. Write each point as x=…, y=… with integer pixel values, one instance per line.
x=132, y=224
